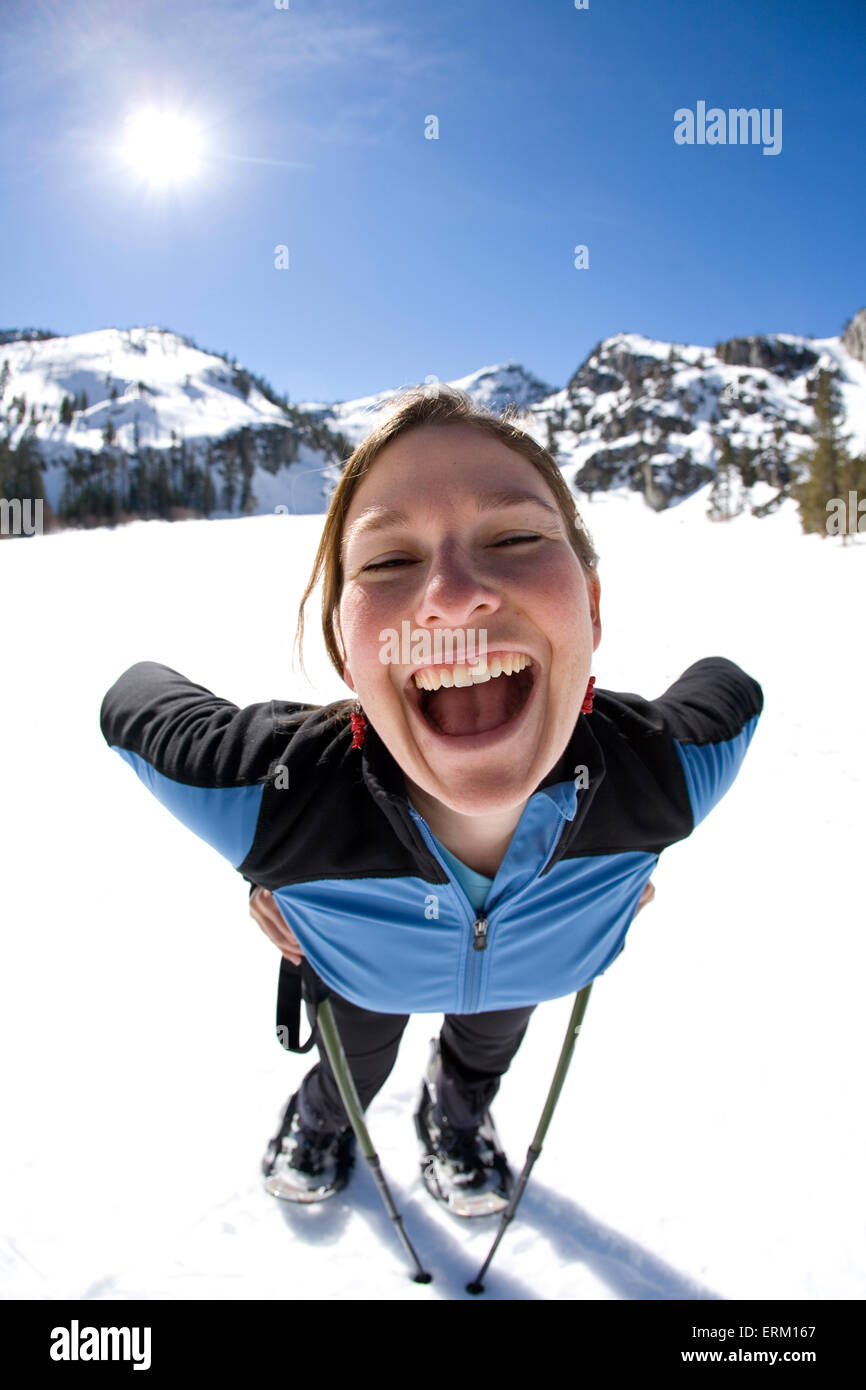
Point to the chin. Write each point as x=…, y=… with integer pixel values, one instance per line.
x=480, y=791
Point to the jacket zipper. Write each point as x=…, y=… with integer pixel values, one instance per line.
x=474, y=964
x=479, y=924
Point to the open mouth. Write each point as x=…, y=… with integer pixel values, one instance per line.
x=464, y=711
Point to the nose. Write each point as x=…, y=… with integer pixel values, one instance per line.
x=453, y=592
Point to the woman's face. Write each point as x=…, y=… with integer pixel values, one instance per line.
x=454, y=565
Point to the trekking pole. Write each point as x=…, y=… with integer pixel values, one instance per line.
x=349, y=1095
x=577, y=1013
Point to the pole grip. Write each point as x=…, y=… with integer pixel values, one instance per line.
x=343, y=1077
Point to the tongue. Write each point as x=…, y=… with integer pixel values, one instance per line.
x=473, y=709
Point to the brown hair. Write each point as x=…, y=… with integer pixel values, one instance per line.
x=439, y=404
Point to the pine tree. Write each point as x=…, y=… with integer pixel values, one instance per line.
x=30, y=467
x=5, y=467
x=832, y=470
x=21, y=477
x=208, y=493
x=745, y=461
x=162, y=487
x=722, y=505
x=854, y=494
x=552, y=442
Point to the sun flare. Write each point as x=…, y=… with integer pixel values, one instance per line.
x=163, y=147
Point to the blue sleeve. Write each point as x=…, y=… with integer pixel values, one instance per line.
x=712, y=712
x=205, y=759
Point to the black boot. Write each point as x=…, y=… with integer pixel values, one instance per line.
x=462, y=1162
x=305, y=1163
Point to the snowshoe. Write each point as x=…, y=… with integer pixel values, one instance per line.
x=306, y=1165
x=465, y=1169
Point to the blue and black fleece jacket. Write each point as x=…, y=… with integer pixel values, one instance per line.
x=278, y=790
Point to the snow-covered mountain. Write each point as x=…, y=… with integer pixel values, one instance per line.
x=492, y=387
x=652, y=416
x=146, y=382
x=143, y=422
x=147, y=415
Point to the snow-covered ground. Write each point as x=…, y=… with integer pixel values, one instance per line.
x=709, y=1142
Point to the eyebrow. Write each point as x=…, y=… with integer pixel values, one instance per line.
x=378, y=518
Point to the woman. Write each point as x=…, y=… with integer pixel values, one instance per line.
x=476, y=832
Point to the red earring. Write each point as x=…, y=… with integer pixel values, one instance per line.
x=586, y=707
x=359, y=726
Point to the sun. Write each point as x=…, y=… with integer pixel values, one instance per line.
x=163, y=147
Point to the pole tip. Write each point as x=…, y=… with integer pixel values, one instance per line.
x=475, y=1287
x=423, y=1277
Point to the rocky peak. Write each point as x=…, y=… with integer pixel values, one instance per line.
x=774, y=352
x=854, y=337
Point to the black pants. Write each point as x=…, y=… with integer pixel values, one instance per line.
x=477, y=1050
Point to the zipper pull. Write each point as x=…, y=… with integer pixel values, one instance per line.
x=479, y=927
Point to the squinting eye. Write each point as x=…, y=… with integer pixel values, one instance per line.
x=509, y=540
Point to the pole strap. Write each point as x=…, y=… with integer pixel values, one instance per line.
x=297, y=983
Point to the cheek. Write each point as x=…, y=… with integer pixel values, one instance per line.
x=557, y=597
x=365, y=605
x=364, y=614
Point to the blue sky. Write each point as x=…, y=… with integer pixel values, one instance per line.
x=408, y=256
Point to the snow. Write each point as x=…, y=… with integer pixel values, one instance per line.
x=709, y=1140
x=640, y=346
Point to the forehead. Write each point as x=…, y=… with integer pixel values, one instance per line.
x=435, y=468
x=448, y=445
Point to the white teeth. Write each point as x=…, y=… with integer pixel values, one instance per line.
x=508, y=664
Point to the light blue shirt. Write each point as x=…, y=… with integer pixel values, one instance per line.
x=475, y=885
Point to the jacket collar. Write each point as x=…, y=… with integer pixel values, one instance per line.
x=384, y=779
